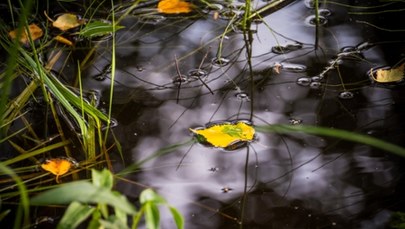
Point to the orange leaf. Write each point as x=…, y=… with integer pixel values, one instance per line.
x=174, y=7
x=58, y=166
x=33, y=30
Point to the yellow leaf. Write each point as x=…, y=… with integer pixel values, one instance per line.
x=225, y=135
x=174, y=7
x=67, y=21
x=33, y=30
x=390, y=75
x=58, y=166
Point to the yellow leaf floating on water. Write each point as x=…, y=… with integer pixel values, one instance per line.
x=67, y=21
x=390, y=75
x=58, y=166
x=174, y=7
x=33, y=30
x=226, y=135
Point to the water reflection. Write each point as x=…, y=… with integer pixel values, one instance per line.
x=281, y=181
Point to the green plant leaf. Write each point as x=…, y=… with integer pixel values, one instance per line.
x=148, y=195
x=85, y=192
x=74, y=215
x=98, y=28
x=152, y=215
x=102, y=179
x=178, y=218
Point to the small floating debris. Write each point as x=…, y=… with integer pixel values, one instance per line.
x=226, y=189
x=227, y=135
x=295, y=121
x=196, y=74
x=280, y=49
x=242, y=96
x=388, y=75
x=178, y=80
x=291, y=67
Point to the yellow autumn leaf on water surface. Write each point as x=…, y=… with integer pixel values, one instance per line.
x=67, y=21
x=58, y=166
x=32, y=31
x=390, y=75
x=227, y=134
x=174, y=6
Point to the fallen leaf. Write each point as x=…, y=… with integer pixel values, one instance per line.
x=33, y=30
x=63, y=40
x=67, y=21
x=390, y=75
x=174, y=7
x=58, y=166
x=225, y=135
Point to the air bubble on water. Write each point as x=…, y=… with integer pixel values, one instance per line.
x=304, y=81
x=347, y=49
x=220, y=61
x=315, y=85
x=293, y=67
x=151, y=19
x=324, y=12
x=316, y=78
x=242, y=96
x=311, y=20
x=177, y=80
x=196, y=74
x=310, y=4
x=346, y=95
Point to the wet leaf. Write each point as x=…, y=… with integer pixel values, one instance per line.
x=174, y=7
x=58, y=166
x=226, y=134
x=67, y=21
x=390, y=75
x=33, y=30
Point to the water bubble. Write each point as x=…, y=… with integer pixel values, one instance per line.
x=346, y=95
x=315, y=85
x=242, y=96
x=226, y=189
x=196, y=74
x=151, y=19
x=316, y=78
x=279, y=49
x=311, y=20
x=304, y=81
x=324, y=12
x=178, y=80
x=293, y=67
x=310, y=4
x=348, y=49
x=220, y=61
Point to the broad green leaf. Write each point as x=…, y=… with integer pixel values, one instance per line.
x=99, y=28
x=84, y=192
x=102, y=179
x=74, y=215
x=224, y=135
x=148, y=195
x=152, y=216
x=178, y=218
x=112, y=222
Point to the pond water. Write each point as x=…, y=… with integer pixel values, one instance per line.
x=175, y=73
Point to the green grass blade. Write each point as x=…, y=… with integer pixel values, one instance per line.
x=177, y=217
x=341, y=134
x=35, y=152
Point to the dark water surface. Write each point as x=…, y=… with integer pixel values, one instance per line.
x=301, y=76
x=291, y=181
